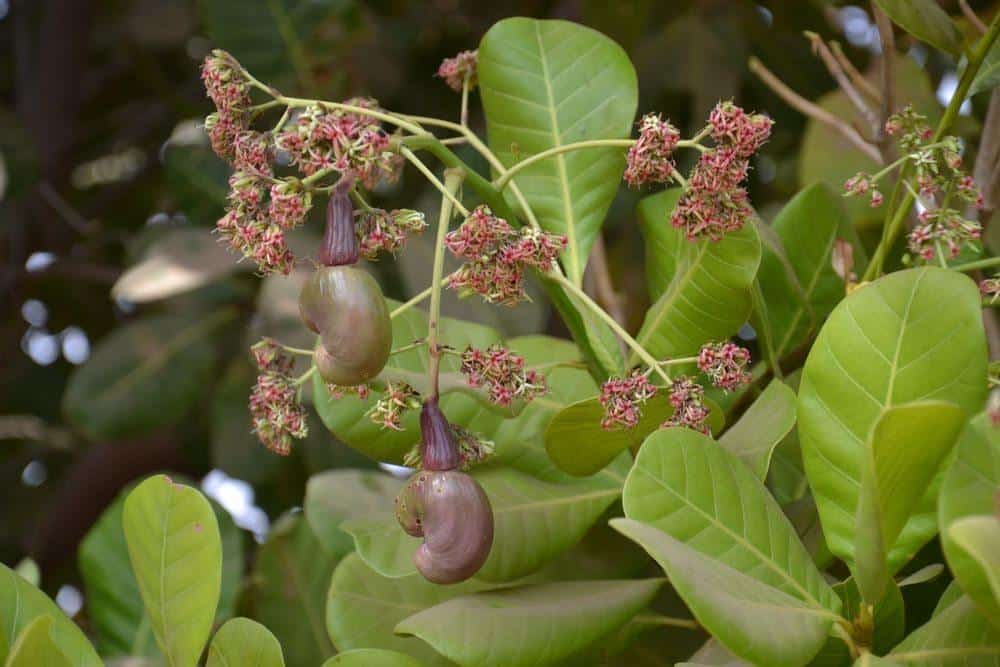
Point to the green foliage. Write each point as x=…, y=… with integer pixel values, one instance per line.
x=241, y=642
x=925, y=20
x=35, y=646
x=759, y=430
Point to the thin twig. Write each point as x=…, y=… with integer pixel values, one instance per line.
x=972, y=17
x=837, y=72
x=887, y=77
x=812, y=110
x=859, y=79
x=452, y=181
x=597, y=271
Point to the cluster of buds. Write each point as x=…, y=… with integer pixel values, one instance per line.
x=942, y=232
x=650, y=160
x=989, y=288
x=862, y=183
x=460, y=70
x=688, y=400
x=379, y=230
x=472, y=450
x=909, y=128
x=725, y=364
x=229, y=90
x=502, y=373
x=623, y=398
x=497, y=254
x=277, y=414
x=350, y=143
x=715, y=202
x=397, y=399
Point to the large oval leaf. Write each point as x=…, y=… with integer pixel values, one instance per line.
x=371, y=657
x=545, y=84
x=21, y=604
x=176, y=554
x=337, y=495
x=755, y=621
x=289, y=588
x=956, y=635
x=143, y=376
x=529, y=625
x=241, y=642
x=688, y=486
x=701, y=290
x=970, y=489
x=925, y=20
x=363, y=608
x=910, y=336
x=35, y=647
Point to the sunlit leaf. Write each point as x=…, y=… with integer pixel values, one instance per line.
x=241, y=642
x=766, y=422
x=35, y=647
x=925, y=20
x=957, y=635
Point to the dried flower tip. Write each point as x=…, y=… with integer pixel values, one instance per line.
x=623, y=398
x=502, y=373
x=456, y=71
x=688, y=400
x=649, y=159
x=362, y=391
x=379, y=230
x=396, y=400
x=725, y=364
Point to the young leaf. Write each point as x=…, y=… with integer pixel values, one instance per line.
x=21, y=604
x=957, y=635
x=796, y=274
x=988, y=76
x=969, y=489
x=241, y=642
x=535, y=521
x=371, y=657
x=894, y=478
x=144, y=375
x=753, y=438
x=545, y=84
x=291, y=575
x=701, y=290
x=530, y=625
x=910, y=336
x=35, y=647
x=176, y=555
x=688, y=486
x=979, y=538
x=925, y=20
x=577, y=444
x=363, y=608
x=754, y=620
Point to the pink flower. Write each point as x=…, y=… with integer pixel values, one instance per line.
x=649, y=158
x=456, y=71
x=725, y=364
x=735, y=128
x=688, y=400
x=623, y=398
x=942, y=230
x=277, y=415
x=990, y=289
x=502, y=373
x=379, y=230
x=289, y=204
x=224, y=81
x=397, y=399
x=714, y=204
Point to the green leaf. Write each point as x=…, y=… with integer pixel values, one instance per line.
x=894, y=478
x=176, y=553
x=545, y=84
x=701, y=289
x=363, y=608
x=951, y=594
x=923, y=575
x=889, y=617
x=336, y=495
x=769, y=419
x=289, y=589
x=28, y=570
x=870, y=660
x=796, y=274
x=21, y=604
x=277, y=39
x=688, y=486
x=957, y=635
x=969, y=489
x=979, y=538
x=925, y=20
x=988, y=76
x=35, y=647
x=534, y=522
x=530, y=625
x=143, y=376
x=371, y=657
x=241, y=642
x=910, y=336
x=753, y=619
x=577, y=444
x=114, y=604
x=598, y=343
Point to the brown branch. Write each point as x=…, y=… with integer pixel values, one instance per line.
x=972, y=17
x=833, y=66
x=859, y=79
x=813, y=110
x=986, y=171
x=887, y=74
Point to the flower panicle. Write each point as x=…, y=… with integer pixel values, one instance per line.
x=381, y=231
x=276, y=412
x=623, y=398
x=502, y=373
x=462, y=68
x=397, y=399
x=725, y=364
x=650, y=159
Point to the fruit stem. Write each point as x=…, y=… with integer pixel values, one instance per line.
x=452, y=181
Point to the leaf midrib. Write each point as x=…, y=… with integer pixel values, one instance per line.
x=570, y=221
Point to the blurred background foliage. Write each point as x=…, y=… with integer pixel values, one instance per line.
x=104, y=170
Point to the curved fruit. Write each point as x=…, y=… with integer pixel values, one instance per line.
x=344, y=305
x=452, y=513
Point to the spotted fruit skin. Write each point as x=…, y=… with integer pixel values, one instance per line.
x=452, y=513
x=345, y=306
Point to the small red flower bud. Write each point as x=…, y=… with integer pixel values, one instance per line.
x=456, y=71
